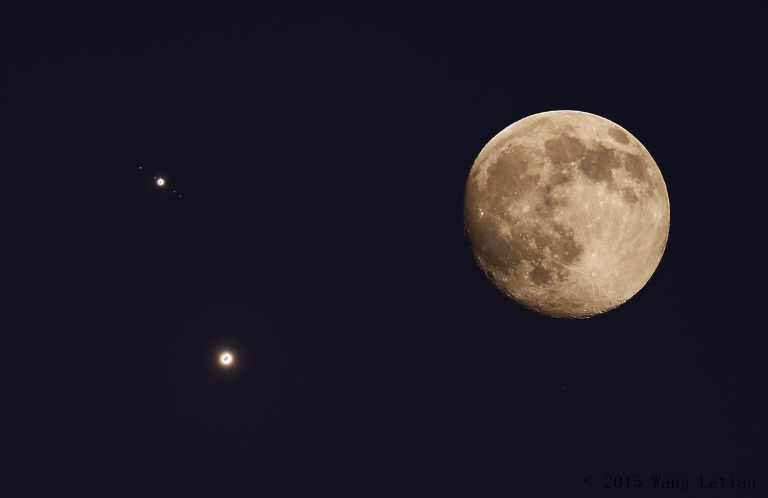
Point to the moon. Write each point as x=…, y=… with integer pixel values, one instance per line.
x=566, y=213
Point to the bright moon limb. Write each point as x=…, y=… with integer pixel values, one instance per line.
x=160, y=182
x=226, y=359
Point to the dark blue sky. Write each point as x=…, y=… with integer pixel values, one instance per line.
x=321, y=154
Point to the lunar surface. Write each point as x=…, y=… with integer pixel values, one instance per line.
x=567, y=213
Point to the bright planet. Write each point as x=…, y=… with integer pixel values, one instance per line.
x=226, y=359
x=160, y=182
x=566, y=213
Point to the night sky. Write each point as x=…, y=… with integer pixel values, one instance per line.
x=311, y=223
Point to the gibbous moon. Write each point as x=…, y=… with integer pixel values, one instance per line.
x=567, y=213
x=226, y=359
